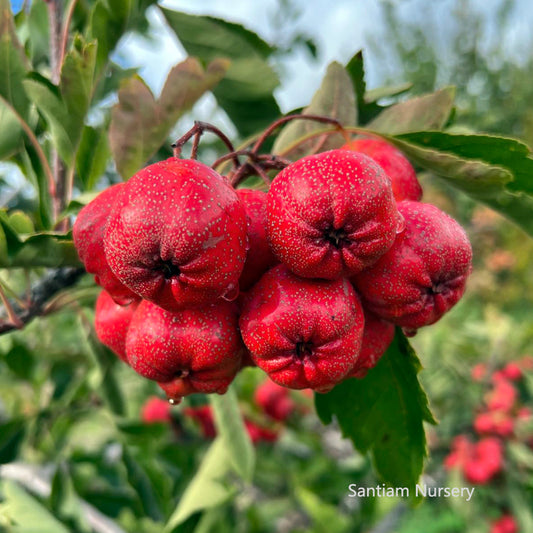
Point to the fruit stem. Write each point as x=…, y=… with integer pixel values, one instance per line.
x=197, y=131
x=289, y=118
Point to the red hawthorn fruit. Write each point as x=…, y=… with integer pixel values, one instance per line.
x=203, y=416
x=484, y=461
x=111, y=323
x=512, y=371
x=424, y=274
x=303, y=333
x=505, y=524
x=502, y=397
x=196, y=350
x=479, y=372
x=260, y=257
x=495, y=422
x=405, y=185
x=274, y=400
x=331, y=214
x=377, y=336
x=177, y=235
x=156, y=410
x=258, y=433
x=460, y=450
x=88, y=235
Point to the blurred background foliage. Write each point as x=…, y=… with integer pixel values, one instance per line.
x=71, y=415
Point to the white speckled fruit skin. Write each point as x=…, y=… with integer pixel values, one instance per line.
x=183, y=213
x=339, y=191
x=196, y=350
x=424, y=274
x=283, y=310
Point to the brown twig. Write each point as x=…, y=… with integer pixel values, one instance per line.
x=45, y=289
x=65, y=32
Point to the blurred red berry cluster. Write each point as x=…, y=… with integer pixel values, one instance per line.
x=274, y=403
x=501, y=419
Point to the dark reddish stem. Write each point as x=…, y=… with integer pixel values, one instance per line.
x=289, y=118
x=197, y=131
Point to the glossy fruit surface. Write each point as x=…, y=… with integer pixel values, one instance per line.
x=331, y=214
x=177, y=235
x=405, y=185
x=88, y=235
x=111, y=323
x=424, y=274
x=303, y=333
x=196, y=350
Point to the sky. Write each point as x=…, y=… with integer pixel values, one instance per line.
x=339, y=27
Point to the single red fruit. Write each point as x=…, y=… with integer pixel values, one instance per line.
x=258, y=433
x=405, y=185
x=177, y=235
x=424, y=274
x=377, y=336
x=331, y=214
x=88, y=235
x=512, y=371
x=479, y=372
x=484, y=462
x=111, y=323
x=274, y=400
x=302, y=333
x=494, y=422
x=260, y=257
x=156, y=410
x=196, y=350
x=461, y=449
x=502, y=397
x=505, y=524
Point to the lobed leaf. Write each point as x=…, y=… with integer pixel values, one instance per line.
x=245, y=93
x=497, y=171
x=384, y=413
x=140, y=124
x=335, y=99
x=427, y=112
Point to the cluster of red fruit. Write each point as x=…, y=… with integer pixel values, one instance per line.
x=503, y=417
x=306, y=281
x=274, y=402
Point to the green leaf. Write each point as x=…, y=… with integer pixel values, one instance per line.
x=208, y=488
x=494, y=170
x=65, y=502
x=38, y=32
x=428, y=112
x=140, y=482
x=140, y=124
x=27, y=513
x=108, y=384
x=76, y=84
x=356, y=70
x=325, y=517
x=109, y=21
x=20, y=361
x=384, y=413
x=12, y=435
x=246, y=91
x=230, y=427
x=92, y=157
x=47, y=98
x=33, y=170
x=13, y=69
x=10, y=132
x=335, y=99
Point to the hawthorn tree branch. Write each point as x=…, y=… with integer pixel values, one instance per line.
x=54, y=282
